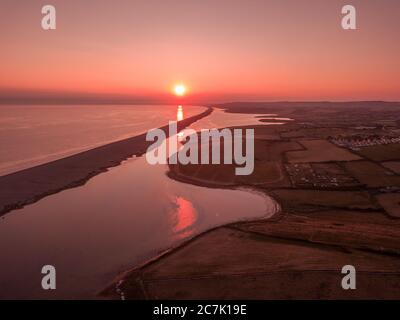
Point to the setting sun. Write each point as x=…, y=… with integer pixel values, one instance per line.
x=180, y=90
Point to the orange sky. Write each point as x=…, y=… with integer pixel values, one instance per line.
x=221, y=49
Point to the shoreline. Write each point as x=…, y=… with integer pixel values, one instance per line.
x=30, y=185
x=141, y=281
x=111, y=290
x=298, y=253
x=133, y=285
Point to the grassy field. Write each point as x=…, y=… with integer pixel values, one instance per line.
x=320, y=151
x=339, y=199
x=382, y=152
x=392, y=165
x=372, y=174
x=391, y=203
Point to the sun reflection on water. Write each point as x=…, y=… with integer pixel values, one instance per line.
x=179, y=114
x=183, y=217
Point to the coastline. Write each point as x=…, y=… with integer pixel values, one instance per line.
x=30, y=185
x=299, y=251
x=112, y=290
x=200, y=262
x=296, y=254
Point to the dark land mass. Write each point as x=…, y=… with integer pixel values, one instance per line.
x=334, y=170
x=30, y=185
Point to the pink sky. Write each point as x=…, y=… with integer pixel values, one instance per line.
x=221, y=49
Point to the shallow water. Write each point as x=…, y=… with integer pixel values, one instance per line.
x=117, y=220
x=221, y=119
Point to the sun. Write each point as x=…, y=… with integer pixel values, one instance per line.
x=180, y=90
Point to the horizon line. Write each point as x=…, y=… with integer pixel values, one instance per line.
x=176, y=102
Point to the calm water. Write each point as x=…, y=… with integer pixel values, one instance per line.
x=221, y=119
x=32, y=135
x=117, y=220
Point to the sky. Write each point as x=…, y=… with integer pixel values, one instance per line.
x=222, y=50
